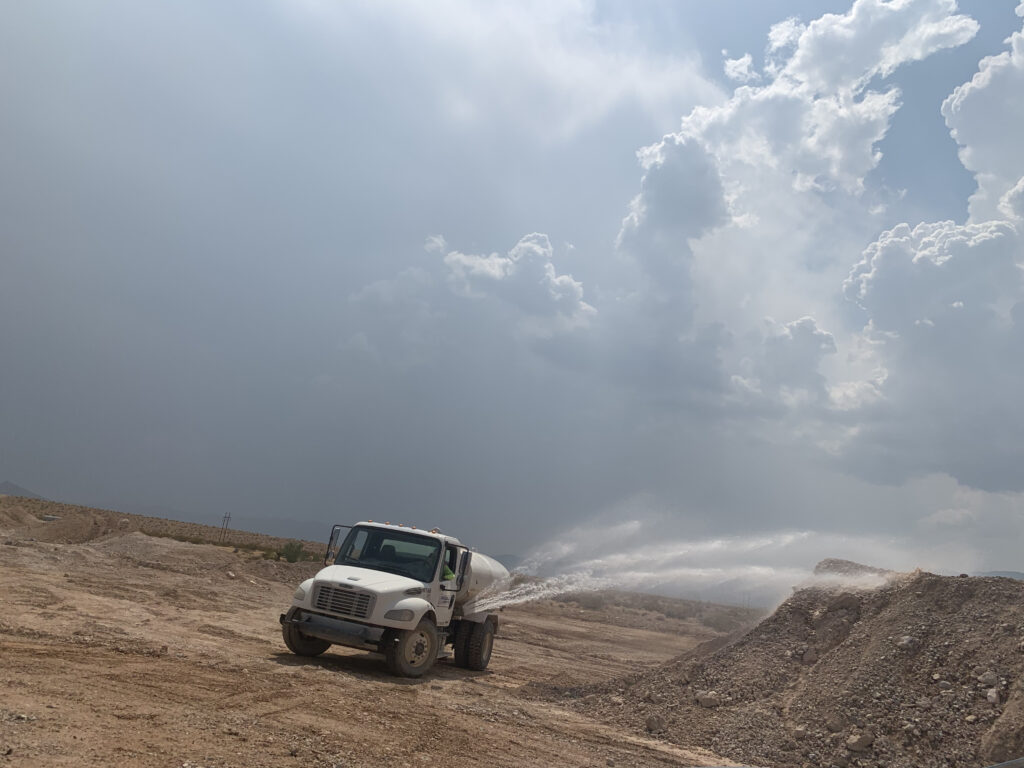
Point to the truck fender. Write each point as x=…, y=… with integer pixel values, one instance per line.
x=417, y=605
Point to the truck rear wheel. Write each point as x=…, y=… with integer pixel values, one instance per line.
x=481, y=641
x=411, y=652
x=300, y=644
x=460, y=643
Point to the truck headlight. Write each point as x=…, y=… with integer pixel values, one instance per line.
x=300, y=594
x=401, y=614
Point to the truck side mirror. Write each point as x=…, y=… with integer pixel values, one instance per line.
x=334, y=543
x=463, y=570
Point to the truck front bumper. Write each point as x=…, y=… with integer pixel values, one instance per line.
x=337, y=631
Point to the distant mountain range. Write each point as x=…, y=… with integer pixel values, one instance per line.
x=7, y=488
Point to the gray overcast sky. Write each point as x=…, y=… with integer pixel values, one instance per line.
x=520, y=268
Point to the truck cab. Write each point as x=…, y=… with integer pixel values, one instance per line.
x=397, y=590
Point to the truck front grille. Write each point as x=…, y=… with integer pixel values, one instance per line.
x=346, y=602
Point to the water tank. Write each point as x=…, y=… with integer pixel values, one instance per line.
x=483, y=571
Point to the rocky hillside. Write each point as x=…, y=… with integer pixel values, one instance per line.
x=922, y=671
x=70, y=524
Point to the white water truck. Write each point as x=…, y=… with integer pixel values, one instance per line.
x=400, y=591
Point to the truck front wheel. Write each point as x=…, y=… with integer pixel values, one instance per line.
x=481, y=641
x=300, y=644
x=411, y=652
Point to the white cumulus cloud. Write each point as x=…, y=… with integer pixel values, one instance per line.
x=526, y=277
x=985, y=116
x=945, y=307
x=742, y=69
x=843, y=52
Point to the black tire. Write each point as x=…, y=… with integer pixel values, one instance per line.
x=412, y=652
x=300, y=644
x=481, y=641
x=461, y=643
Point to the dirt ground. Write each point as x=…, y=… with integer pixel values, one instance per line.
x=131, y=650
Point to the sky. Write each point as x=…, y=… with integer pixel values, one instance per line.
x=718, y=272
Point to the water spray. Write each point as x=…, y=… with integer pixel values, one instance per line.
x=763, y=569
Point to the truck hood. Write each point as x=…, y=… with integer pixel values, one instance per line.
x=365, y=578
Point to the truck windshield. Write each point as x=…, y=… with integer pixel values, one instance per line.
x=381, y=549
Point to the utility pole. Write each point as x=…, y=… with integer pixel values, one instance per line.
x=224, y=526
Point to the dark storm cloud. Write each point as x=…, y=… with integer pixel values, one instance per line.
x=216, y=296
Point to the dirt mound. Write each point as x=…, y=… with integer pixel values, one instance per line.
x=72, y=524
x=923, y=671
x=165, y=554
x=14, y=516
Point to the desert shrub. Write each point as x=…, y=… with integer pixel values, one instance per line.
x=591, y=601
x=720, y=622
x=292, y=551
x=681, y=612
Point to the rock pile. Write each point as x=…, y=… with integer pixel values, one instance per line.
x=923, y=671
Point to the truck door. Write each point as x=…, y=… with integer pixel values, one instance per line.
x=444, y=600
